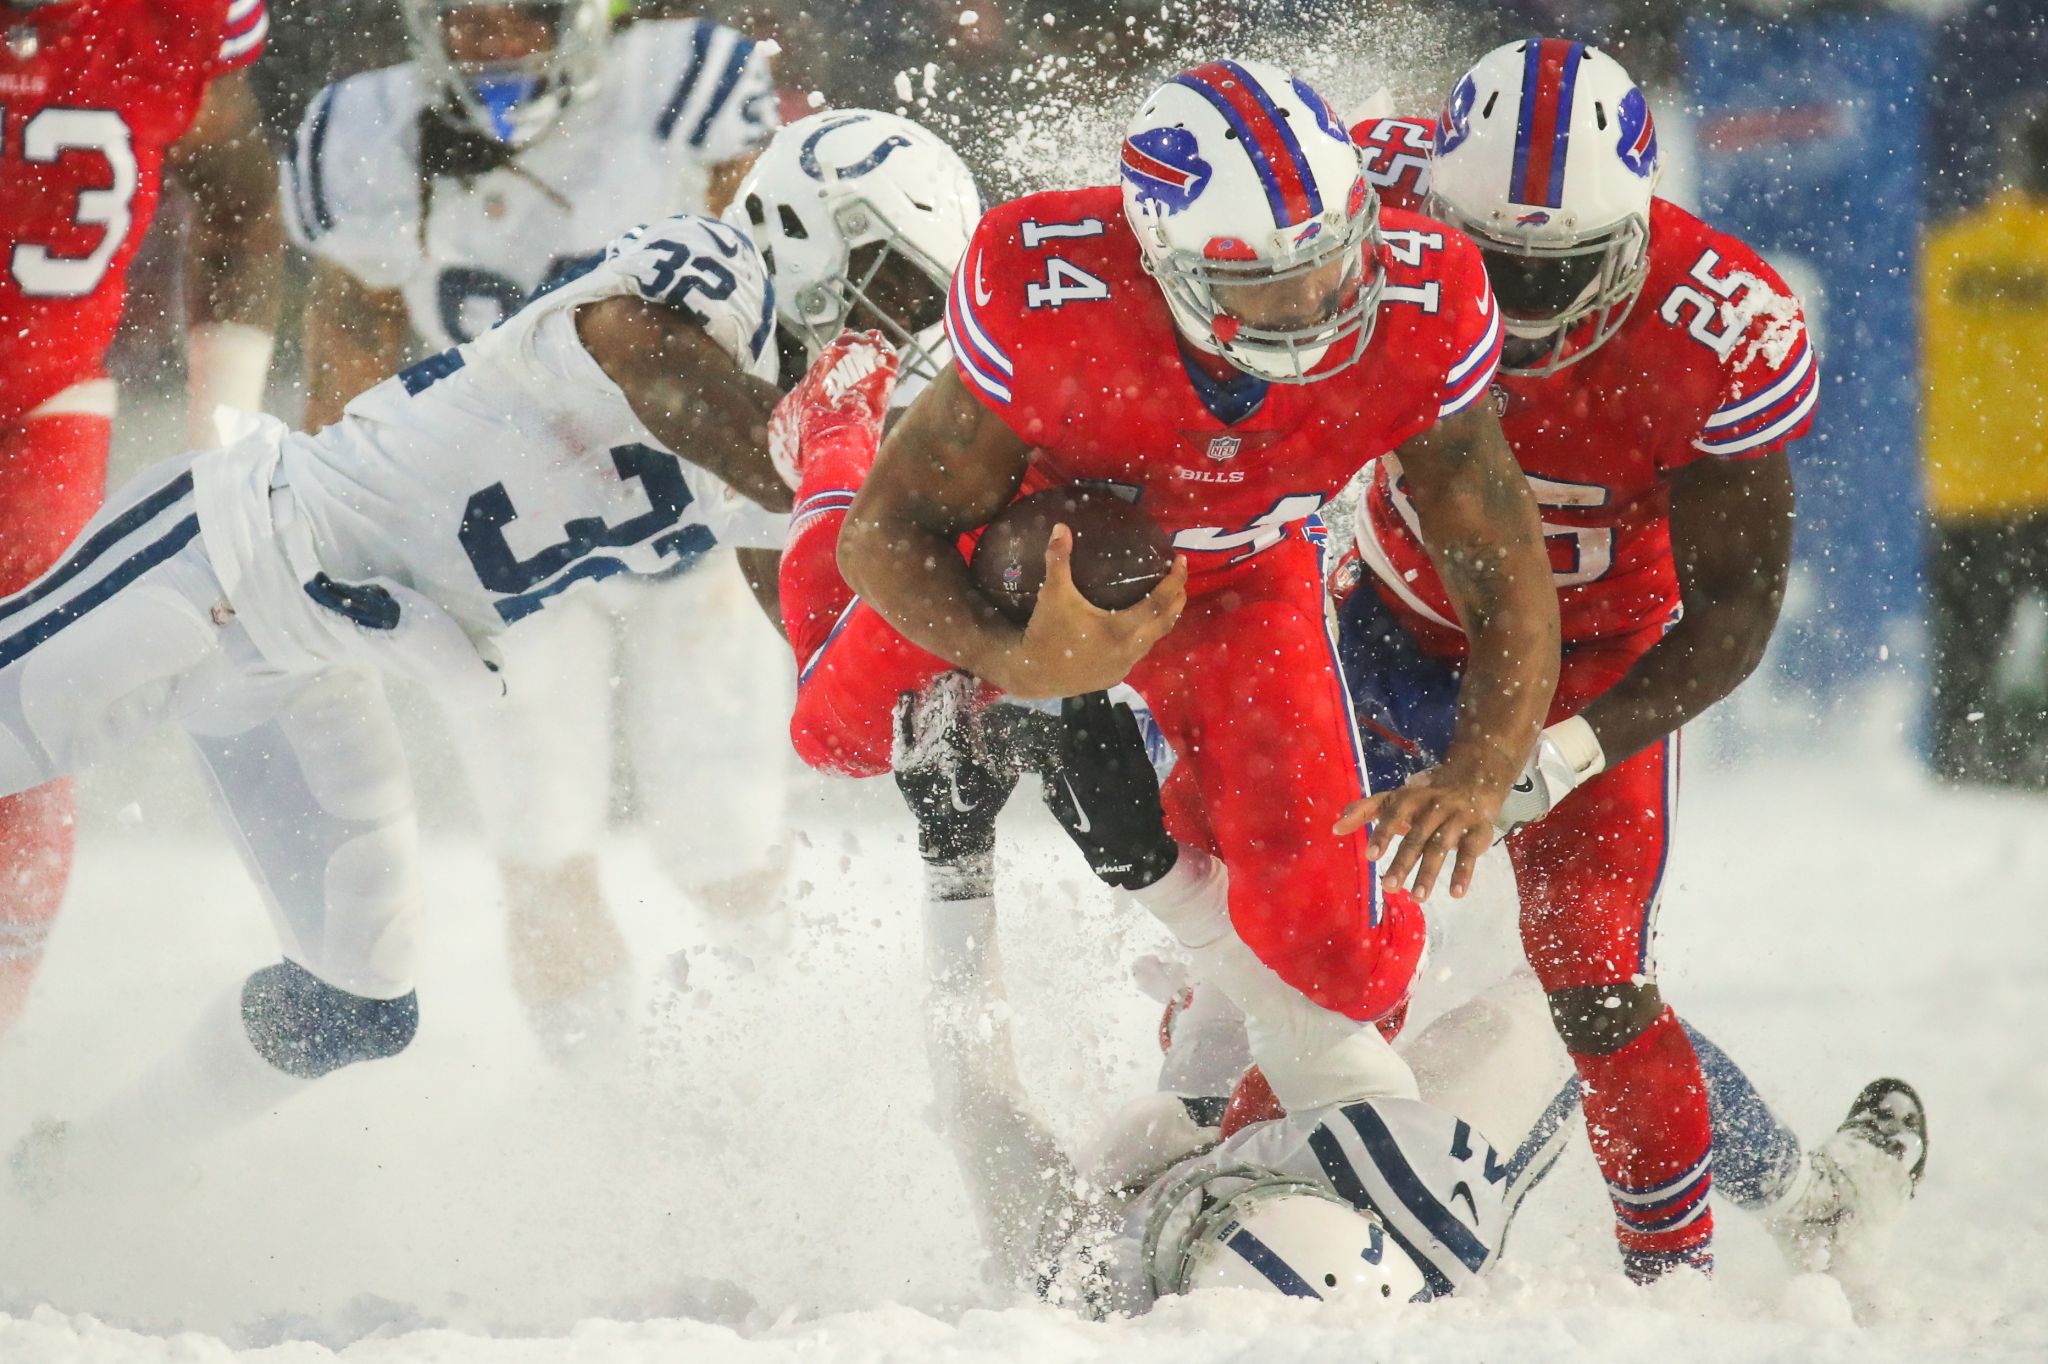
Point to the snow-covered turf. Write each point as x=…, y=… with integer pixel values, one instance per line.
x=759, y=1180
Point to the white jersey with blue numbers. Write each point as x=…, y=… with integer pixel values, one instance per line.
x=495, y=476
x=673, y=99
x=1439, y=1187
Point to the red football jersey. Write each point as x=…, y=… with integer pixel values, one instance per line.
x=1712, y=362
x=1058, y=329
x=91, y=95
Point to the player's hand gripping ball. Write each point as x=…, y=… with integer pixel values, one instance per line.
x=1120, y=554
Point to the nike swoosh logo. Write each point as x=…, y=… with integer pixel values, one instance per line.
x=1462, y=1188
x=953, y=787
x=1082, y=823
x=1526, y=785
x=981, y=293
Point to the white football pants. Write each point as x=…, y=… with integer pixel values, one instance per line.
x=706, y=688
x=130, y=631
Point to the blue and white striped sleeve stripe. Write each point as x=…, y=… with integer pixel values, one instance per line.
x=1761, y=418
x=717, y=60
x=247, y=23
x=1473, y=373
x=980, y=360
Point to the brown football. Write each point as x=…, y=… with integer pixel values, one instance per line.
x=1120, y=553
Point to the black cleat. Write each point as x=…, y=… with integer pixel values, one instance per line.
x=1890, y=1116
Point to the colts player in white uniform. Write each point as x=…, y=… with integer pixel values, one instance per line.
x=435, y=196
x=253, y=596
x=1388, y=1175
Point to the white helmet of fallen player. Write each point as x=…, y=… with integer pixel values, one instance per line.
x=1249, y=1227
x=507, y=69
x=861, y=217
x=1253, y=213
x=1546, y=155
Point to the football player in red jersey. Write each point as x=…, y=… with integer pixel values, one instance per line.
x=97, y=101
x=1654, y=372
x=1229, y=339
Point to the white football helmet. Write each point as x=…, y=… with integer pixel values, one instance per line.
x=1248, y=1227
x=1253, y=213
x=1546, y=156
x=861, y=217
x=518, y=100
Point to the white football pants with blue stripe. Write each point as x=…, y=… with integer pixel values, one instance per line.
x=129, y=632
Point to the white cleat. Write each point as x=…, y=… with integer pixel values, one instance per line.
x=1846, y=1202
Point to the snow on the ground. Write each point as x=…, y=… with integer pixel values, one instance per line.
x=759, y=1179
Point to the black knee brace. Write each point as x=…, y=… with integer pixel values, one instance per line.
x=1596, y=1020
x=305, y=1027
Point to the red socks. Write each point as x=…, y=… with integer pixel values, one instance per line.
x=1646, y=1113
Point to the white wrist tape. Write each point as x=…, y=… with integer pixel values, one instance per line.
x=1580, y=746
x=228, y=364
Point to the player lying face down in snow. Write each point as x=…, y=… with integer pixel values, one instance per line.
x=252, y=596
x=1394, y=1181
x=1654, y=373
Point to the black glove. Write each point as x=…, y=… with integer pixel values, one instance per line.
x=954, y=789
x=1105, y=794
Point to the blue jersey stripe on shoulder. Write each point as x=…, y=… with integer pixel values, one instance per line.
x=314, y=177
x=735, y=67
x=700, y=44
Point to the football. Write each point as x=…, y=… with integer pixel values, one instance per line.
x=1120, y=553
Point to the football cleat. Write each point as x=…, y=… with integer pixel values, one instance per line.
x=1845, y=1203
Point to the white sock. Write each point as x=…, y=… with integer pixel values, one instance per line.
x=1020, y=1183
x=1310, y=1055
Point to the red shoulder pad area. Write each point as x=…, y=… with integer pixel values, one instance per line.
x=1730, y=298
x=1436, y=268
x=1034, y=281
x=1396, y=153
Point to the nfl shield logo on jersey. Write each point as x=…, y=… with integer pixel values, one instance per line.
x=1223, y=448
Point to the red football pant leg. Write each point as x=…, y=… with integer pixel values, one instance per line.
x=1246, y=689
x=846, y=697
x=1589, y=875
x=814, y=595
x=52, y=477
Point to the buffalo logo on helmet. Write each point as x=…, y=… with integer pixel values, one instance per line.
x=1164, y=167
x=1326, y=115
x=1454, y=125
x=1638, y=145
x=1533, y=218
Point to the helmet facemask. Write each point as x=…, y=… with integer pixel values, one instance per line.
x=514, y=100
x=892, y=287
x=1232, y=301
x=1559, y=300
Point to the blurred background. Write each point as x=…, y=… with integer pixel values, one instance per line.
x=1891, y=159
